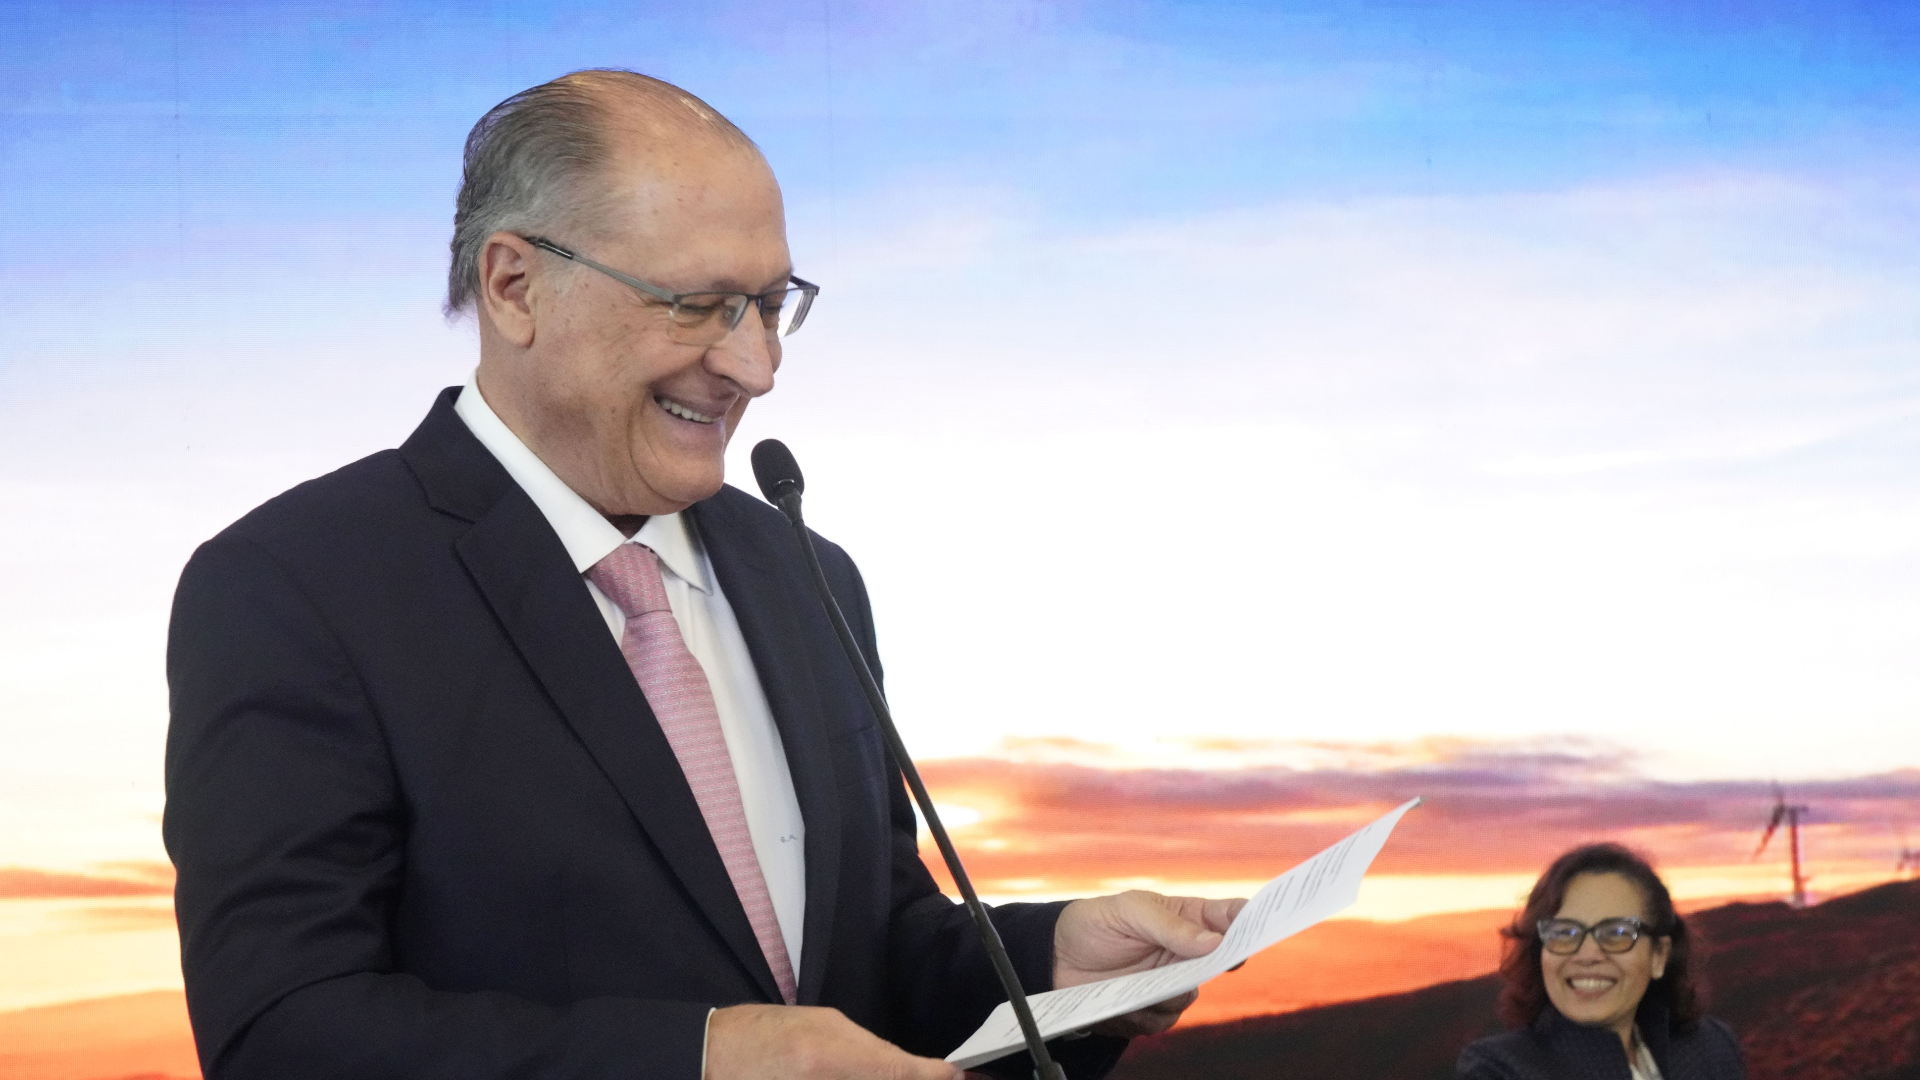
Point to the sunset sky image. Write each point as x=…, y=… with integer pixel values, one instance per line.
x=1246, y=417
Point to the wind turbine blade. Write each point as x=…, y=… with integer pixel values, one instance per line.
x=1772, y=824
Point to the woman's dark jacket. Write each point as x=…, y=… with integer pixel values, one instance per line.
x=1556, y=1048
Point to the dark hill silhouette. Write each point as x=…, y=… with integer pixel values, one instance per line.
x=1831, y=992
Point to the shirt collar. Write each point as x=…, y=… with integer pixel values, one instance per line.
x=667, y=535
x=587, y=536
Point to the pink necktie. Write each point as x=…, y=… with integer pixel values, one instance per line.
x=676, y=688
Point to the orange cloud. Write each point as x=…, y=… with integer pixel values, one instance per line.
x=115, y=917
x=136, y=1036
x=133, y=879
x=1490, y=810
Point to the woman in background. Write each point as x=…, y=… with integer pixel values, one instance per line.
x=1599, y=983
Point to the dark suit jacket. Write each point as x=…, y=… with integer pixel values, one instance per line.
x=1555, y=1048
x=426, y=825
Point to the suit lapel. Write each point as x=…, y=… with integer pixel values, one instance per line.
x=766, y=603
x=524, y=572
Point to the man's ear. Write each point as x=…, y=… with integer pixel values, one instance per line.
x=506, y=264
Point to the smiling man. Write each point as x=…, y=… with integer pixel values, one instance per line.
x=525, y=749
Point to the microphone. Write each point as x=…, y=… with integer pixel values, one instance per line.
x=779, y=477
x=780, y=481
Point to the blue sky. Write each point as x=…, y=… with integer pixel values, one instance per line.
x=208, y=163
x=134, y=118
x=1500, y=371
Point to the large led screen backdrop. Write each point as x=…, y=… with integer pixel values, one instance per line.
x=1246, y=416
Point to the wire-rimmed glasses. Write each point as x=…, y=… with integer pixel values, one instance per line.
x=704, y=318
x=1562, y=937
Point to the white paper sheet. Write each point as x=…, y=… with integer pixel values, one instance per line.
x=1317, y=889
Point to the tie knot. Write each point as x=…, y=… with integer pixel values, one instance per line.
x=630, y=576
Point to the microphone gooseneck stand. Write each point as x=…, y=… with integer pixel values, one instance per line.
x=780, y=481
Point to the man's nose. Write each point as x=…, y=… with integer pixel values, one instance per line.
x=747, y=356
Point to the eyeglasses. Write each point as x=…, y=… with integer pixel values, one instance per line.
x=704, y=318
x=1562, y=937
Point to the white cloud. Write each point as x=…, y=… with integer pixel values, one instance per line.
x=1620, y=461
x=1633, y=462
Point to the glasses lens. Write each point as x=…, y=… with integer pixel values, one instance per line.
x=1561, y=935
x=704, y=318
x=1616, y=935
x=783, y=312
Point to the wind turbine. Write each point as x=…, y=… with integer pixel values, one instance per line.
x=1909, y=857
x=1790, y=814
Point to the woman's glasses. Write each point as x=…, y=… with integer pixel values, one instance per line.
x=1562, y=937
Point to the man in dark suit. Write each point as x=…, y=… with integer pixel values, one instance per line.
x=447, y=797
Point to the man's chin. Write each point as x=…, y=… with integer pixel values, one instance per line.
x=666, y=495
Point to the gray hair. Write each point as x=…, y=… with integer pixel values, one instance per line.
x=531, y=161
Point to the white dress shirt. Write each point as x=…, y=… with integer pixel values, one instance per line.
x=712, y=635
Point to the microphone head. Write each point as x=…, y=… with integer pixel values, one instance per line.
x=778, y=473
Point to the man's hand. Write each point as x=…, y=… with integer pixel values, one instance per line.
x=753, y=1042
x=1106, y=936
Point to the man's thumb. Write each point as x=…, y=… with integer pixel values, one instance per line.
x=1181, y=935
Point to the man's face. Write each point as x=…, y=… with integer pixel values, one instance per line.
x=632, y=420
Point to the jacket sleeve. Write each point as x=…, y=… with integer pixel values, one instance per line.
x=287, y=823
x=943, y=984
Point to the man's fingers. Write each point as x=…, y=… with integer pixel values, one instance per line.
x=1215, y=915
x=1171, y=929
x=1151, y=1020
x=1112, y=935
x=1219, y=914
x=1174, y=1006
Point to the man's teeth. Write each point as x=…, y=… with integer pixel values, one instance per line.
x=1591, y=984
x=683, y=412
